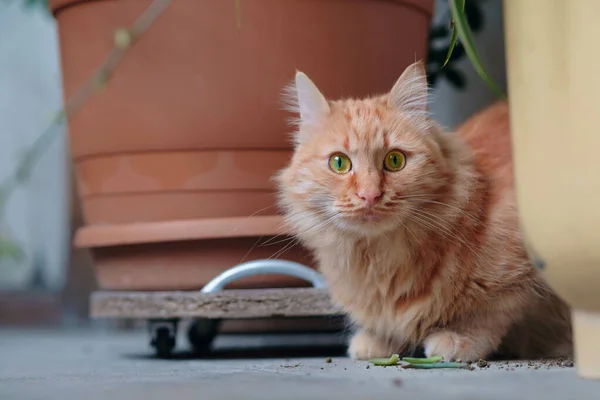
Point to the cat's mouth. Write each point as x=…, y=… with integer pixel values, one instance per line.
x=371, y=215
x=367, y=221
x=367, y=216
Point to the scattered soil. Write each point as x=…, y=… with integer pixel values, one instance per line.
x=546, y=363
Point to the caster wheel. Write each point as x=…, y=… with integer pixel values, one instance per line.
x=164, y=337
x=201, y=334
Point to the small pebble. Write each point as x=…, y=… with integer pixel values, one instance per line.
x=568, y=364
x=368, y=366
x=482, y=363
x=328, y=360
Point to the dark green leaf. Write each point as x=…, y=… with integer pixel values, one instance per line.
x=438, y=32
x=432, y=78
x=458, y=52
x=474, y=15
x=455, y=77
x=436, y=56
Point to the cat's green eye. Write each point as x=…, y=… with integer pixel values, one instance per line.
x=394, y=161
x=340, y=163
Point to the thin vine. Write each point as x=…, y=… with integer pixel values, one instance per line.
x=124, y=39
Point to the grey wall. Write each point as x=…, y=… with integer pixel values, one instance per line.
x=30, y=93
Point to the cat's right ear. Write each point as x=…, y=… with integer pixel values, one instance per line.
x=312, y=105
x=409, y=94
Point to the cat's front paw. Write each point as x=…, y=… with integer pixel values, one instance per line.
x=364, y=346
x=454, y=346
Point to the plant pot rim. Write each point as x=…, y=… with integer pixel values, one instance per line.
x=56, y=6
x=95, y=236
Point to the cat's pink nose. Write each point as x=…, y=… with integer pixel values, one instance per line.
x=369, y=196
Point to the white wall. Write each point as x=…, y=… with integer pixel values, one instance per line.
x=30, y=92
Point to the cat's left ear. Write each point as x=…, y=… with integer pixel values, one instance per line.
x=409, y=94
x=312, y=105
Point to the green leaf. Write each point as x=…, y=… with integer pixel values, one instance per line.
x=438, y=32
x=393, y=360
x=464, y=32
x=438, y=365
x=430, y=360
x=432, y=78
x=451, y=47
x=454, y=35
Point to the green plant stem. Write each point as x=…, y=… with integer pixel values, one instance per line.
x=454, y=37
x=437, y=365
x=386, y=362
x=430, y=360
x=461, y=25
x=238, y=13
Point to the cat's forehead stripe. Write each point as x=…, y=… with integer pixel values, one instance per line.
x=365, y=124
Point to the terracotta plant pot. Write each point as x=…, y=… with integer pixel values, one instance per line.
x=177, y=151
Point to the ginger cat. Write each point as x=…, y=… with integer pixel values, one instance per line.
x=415, y=229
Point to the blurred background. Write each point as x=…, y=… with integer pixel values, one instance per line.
x=46, y=282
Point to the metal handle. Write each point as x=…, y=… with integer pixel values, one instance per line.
x=265, y=267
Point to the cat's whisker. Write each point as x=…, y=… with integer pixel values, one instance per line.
x=289, y=216
x=434, y=226
x=318, y=226
x=450, y=232
x=261, y=210
x=272, y=243
x=284, y=249
x=459, y=210
x=250, y=250
x=399, y=220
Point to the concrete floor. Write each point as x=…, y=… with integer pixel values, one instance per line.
x=65, y=365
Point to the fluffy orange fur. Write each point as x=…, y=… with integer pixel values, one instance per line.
x=428, y=256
